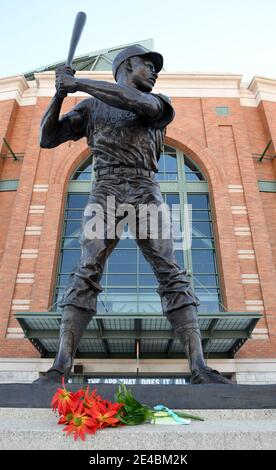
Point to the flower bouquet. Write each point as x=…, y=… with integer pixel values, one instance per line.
x=84, y=412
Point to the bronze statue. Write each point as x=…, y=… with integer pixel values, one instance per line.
x=124, y=124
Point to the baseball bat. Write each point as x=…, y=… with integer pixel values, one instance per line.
x=76, y=34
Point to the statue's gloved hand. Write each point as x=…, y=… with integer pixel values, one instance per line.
x=65, y=80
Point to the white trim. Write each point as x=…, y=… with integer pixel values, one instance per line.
x=29, y=250
x=174, y=84
x=25, y=278
x=250, y=281
x=33, y=230
x=254, y=302
x=15, y=333
x=246, y=252
x=20, y=302
x=260, y=330
x=26, y=275
x=20, y=307
x=29, y=253
x=29, y=256
x=13, y=88
x=33, y=233
x=253, y=308
x=40, y=188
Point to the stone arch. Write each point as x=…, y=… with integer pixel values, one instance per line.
x=182, y=140
x=66, y=162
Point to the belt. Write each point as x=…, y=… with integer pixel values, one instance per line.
x=124, y=170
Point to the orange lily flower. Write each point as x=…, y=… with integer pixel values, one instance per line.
x=105, y=414
x=63, y=400
x=80, y=425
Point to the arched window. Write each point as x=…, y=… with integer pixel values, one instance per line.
x=128, y=282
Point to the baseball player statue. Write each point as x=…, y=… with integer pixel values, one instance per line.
x=124, y=123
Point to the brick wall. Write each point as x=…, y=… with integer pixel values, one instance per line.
x=224, y=148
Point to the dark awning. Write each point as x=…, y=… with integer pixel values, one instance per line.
x=116, y=336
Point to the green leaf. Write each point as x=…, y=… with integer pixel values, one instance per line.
x=186, y=415
x=132, y=412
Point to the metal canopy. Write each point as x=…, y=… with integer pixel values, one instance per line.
x=116, y=336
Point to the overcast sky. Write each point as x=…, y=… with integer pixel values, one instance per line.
x=237, y=36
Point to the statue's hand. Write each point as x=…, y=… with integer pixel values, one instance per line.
x=65, y=81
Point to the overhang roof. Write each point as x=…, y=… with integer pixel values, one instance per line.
x=116, y=336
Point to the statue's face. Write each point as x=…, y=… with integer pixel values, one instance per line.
x=143, y=73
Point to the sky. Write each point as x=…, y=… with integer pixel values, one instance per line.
x=232, y=36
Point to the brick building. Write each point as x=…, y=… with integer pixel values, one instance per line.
x=218, y=156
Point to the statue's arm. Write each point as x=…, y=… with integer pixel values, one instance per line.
x=121, y=96
x=113, y=94
x=50, y=134
x=54, y=130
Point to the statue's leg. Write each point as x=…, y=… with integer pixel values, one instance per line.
x=73, y=324
x=178, y=300
x=80, y=298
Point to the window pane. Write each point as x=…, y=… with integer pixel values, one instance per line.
x=121, y=291
x=63, y=280
x=122, y=279
x=71, y=243
x=73, y=214
x=144, y=266
x=192, y=172
x=72, y=229
x=123, y=261
x=170, y=163
x=147, y=280
x=171, y=199
x=209, y=301
x=69, y=260
x=201, y=215
x=202, y=229
x=179, y=257
x=203, y=261
x=202, y=243
x=127, y=243
x=167, y=165
x=201, y=280
x=83, y=172
x=77, y=201
x=198, y=201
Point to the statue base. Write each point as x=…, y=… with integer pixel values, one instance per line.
x=211, y=396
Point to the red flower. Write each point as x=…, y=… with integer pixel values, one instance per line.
x=65, y=419
x=84, y=412
x=63, y=400
x=81, y=424
x=105, y=413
